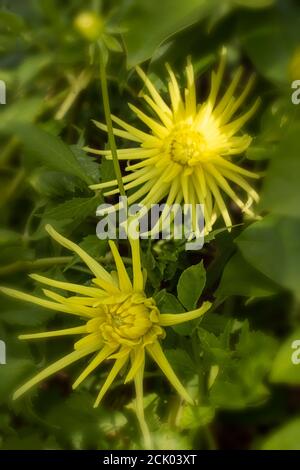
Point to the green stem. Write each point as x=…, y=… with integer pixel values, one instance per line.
x=32, y=265
x=111, y=137
x=138, y=383
x=8, y=150
x=78, y=84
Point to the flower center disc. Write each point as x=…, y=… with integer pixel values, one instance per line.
x=131, y=321
x=186, y=146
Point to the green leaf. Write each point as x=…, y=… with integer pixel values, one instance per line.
x=112, y=43
x=9, y=237
x=284, y=438
x=194, y=417
x=167, y=303
x=80, y=424
x=272, y=246
x=50, y=150
x=253, y=3
x=88, y=163
x=52, y=184
x=181, y=362
x=10, y=22
x=11, y=116
x=270, y=39
x=166, y=18
x=11, y=376
x=190, y=285
x=244, y=362
x=78, y=208
x=281, y=191
x=283, y=369
x=240, y=278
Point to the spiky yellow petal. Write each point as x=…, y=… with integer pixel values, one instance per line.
x=191, y=143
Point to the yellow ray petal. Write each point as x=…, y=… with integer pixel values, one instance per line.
x=153, y=92
x=231, y=166
x=124, y=280
x=111, y=377
x=136, y=153
x=144, y=163
x=95, y=267
x=191, y=104
x=137, y=361
x=232, y=127
x=216, y=78
x=146, y=174
x=158, y=356
x=53, y=368
x=160, y=131
x=78, y=289
x=75, y=307
x=42, y=302
x=108, y=184
x=98, y=359
x=164, y=117
x=159, y=188
x=92, y=339
x=229, y=92
x=239, y=101
x=175, y=95
x=118, y=132
x=143, y=136
x=170, y=319
x=109, y=287
x=77, y=330
x=166, y=210
x=240, y=181
x=225, y=186
x=219, y=200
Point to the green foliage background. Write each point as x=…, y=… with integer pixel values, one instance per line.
x=237, y=360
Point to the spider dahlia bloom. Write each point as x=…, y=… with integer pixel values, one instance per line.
x=119, y=323
x=186, y=155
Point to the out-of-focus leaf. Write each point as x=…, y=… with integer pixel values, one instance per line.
x=253, y=3
x=50, y=150
x=165, y=18
x=240, y=278
x=78, y=208
x=168, y=439
x=10, y=22
x=80, y=424
x=270, y=42
x=9, y=237
x=12, y=374
x=52, y=184
x=284, y=438
x=11, y=116
x=194, y=417
x=281, y=191
x=283, y=369
x=242, y=375
x=272, y=246
x=190, y=285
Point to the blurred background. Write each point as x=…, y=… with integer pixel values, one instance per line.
x=239, y=357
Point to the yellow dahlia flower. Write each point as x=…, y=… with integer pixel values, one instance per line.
x=186, y=156
x=118, y=322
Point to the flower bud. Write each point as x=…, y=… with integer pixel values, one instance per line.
x=89, y=25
